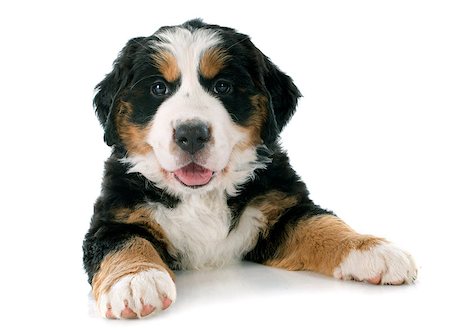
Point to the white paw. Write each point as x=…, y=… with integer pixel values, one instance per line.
x=138, y=295
x=384, y=263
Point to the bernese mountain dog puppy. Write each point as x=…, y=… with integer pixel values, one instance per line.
x=198, y=179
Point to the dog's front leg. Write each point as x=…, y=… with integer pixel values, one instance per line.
x=325, y=244
x=132, y=281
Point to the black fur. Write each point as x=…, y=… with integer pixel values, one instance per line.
x=111, y=86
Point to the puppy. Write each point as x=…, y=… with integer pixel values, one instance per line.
x=197, y=178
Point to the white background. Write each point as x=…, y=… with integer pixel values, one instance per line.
x=370, y=138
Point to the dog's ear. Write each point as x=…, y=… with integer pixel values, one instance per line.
x=110, y=88
x=283, y=92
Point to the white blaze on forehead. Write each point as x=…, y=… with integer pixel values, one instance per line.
x=187, y=47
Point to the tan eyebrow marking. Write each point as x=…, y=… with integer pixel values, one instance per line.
x=212, y=62
x=167, y=65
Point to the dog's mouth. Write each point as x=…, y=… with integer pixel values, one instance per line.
x=193, y=175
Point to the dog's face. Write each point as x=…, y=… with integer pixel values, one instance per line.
x=190, y=106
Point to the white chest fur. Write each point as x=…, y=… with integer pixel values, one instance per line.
x=199, y=229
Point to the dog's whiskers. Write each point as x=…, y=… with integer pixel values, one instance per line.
x=238, y=42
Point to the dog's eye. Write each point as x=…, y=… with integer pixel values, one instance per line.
x=159, y=89
x=222, y=87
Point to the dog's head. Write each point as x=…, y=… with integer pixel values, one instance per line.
x=189, y=107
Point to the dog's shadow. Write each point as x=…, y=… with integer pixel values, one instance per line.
x=246, y=279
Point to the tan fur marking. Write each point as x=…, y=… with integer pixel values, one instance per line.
x=320, y=244
x=144, y=216
x=255, y=123
x=212, y=62
x=133, y=135
x=134, y=215
x=272, y=205
x=167, y=65
x=136, y=256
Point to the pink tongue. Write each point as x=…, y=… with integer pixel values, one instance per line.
x=193, y=175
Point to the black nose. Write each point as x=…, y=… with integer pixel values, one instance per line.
x=191, y=136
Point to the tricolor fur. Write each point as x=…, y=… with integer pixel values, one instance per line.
x=198, y=179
